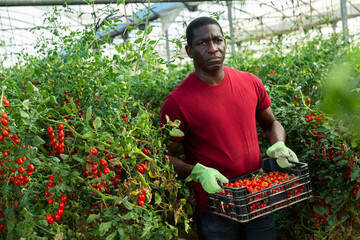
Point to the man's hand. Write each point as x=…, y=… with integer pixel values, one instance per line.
x=207, y=177
x=283, y=154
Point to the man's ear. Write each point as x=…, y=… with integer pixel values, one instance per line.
x=188, y=51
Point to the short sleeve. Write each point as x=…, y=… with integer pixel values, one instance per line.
x=171, y=109
x=264, y=100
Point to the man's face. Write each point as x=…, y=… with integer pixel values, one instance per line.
x=208, y=48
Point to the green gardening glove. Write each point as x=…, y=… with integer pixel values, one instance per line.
x=283, y=154
x=207, y=177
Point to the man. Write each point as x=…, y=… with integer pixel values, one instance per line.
x=218, y=108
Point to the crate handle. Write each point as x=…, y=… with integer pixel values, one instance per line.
x=220, y=184
x=297, y=163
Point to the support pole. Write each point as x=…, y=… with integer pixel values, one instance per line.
x=229, y=5
x=167, y=46
x=344, y=20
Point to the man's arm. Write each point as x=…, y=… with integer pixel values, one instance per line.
x=181, y=168
x=209, y=178
x=273, y=130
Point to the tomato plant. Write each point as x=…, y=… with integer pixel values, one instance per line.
x=82, y=150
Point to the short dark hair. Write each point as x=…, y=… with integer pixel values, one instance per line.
x=195, y=24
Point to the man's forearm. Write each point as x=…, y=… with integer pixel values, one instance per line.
x=275, y=133
x=181, y=168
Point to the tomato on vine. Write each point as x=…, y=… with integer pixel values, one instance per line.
x=61, y=205
x=63, y=197
x=94, y=151
x=103, y=162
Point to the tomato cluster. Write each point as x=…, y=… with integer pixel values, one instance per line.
x=59, y=146
x=60, y=210
x=15, y=167
x=320, y=219
x=141, y=198
x=146, y=151
x=311, y=117
x=97, y=169
x=141, y=168
x=4, y=123
x=5, y=102
x=19, y=171
x=260, y=181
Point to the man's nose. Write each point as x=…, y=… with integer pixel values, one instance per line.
x=212, y=47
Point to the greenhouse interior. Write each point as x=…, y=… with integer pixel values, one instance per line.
x=243, y=21
x=85, y=141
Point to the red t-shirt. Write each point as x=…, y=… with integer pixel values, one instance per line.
x=219, y=123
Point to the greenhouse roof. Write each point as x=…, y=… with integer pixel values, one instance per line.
x=242, y=20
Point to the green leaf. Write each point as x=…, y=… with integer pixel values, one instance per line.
x=35, y=161
x=355, y=175
x=31, y=88
x=77, y=158
x=343, y=219
x=142, y=179
x=92, y=217
x=53, y=100
x=104, y=228
x=138, y=40
x=176, y=123
x=97, y=123
x=55, y=159
x=88, y=114
x=175, y=132
x=129, y=215
x=64, y=156
x=43, y=223
x=149, y=30
x=158, y=199
x=88, y=134
x=131, y=28
x=321, y=210
x=127, y=204
x=123, y=234
x=353, y=143
x=111, y=236
x=107, y=136
x=37, y=141
x=73, y=105
x=342, y=163
x=46, y=100
x=24, y=114
x=68, y=110
x=145, y=230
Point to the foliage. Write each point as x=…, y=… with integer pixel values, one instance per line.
x=318, y=106
x=87, y=126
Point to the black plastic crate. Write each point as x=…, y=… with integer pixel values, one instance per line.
x=241, y=205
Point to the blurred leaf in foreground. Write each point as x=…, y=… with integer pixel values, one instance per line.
x=341, y=91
